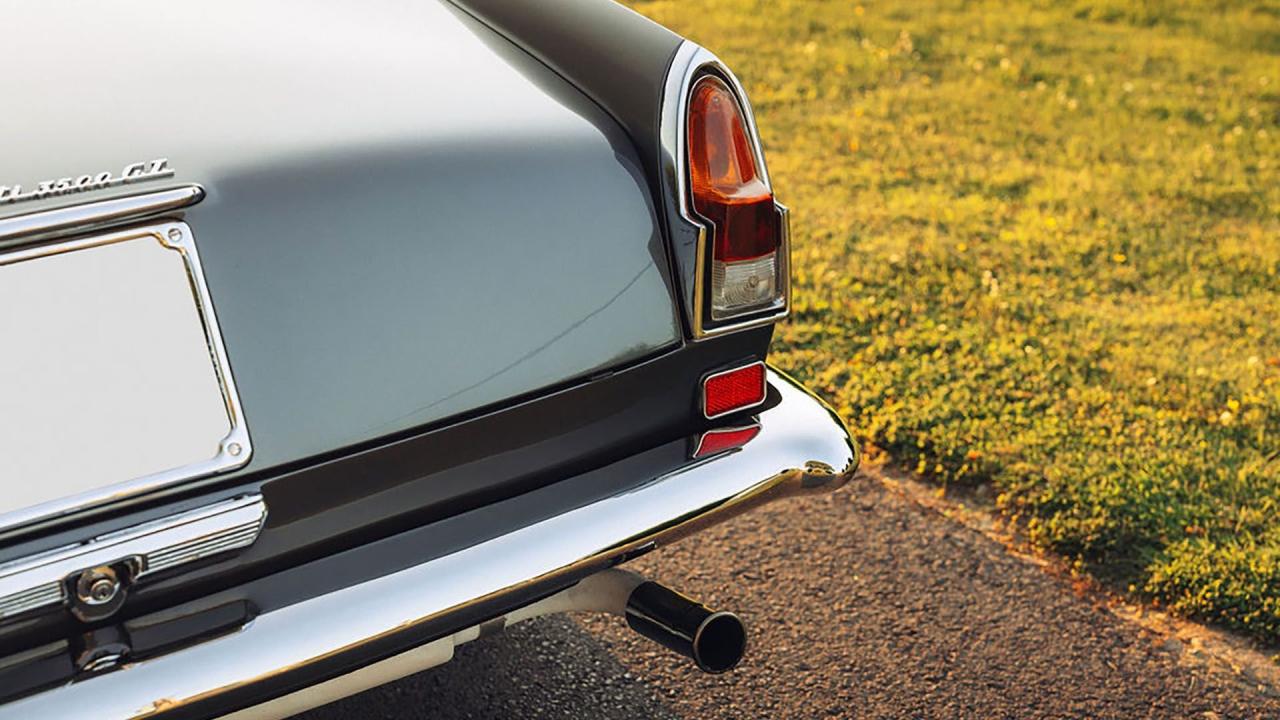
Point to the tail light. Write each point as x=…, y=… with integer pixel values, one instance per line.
x=729, y=190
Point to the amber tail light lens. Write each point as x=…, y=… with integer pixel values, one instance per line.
x=729, y=192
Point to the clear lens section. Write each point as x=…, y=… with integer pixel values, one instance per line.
x=736, y=286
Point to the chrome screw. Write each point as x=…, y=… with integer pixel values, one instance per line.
x=98, y=586
x=101, y=590
x=175, y=235
x=234, y=449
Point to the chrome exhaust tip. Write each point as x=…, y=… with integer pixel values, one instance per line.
x=714, y=640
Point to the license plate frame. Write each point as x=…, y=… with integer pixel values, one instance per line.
x=140, y=269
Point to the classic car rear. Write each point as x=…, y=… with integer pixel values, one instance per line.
x=334, y=335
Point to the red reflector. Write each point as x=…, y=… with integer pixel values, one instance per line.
x=715, y=441
x=733, y=390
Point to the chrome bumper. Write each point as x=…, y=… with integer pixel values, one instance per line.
x=802, y=447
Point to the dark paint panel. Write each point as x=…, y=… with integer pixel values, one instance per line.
x=616, y=56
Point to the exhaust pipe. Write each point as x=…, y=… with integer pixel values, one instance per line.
x=715, y=641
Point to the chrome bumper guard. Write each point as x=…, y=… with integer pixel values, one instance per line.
x=802, y=447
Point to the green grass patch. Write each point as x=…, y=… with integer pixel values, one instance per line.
x=1037, y=245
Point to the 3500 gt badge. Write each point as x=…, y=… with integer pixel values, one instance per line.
x=133, y=173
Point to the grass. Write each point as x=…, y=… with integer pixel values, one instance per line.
x=1037, y=246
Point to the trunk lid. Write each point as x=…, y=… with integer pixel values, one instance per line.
x=407, y=219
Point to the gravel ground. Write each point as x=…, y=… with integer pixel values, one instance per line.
x=861, y=604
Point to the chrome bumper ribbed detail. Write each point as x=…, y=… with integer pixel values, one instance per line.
x=801, y=447
x=41, y=595
x=36, y=582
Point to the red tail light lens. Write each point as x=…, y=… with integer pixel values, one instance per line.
x=717, y=441
x=725, y=392
x=728, y=190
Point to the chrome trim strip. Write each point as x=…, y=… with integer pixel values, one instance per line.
x=232, y=452
x=47, y=594
x=802, y=447
x=34, y=226
x=764, y=390
x=36, y=582
x=690, y=62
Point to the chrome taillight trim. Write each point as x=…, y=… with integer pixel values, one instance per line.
x=691, y=62
x=40, y=581
x=764, y=389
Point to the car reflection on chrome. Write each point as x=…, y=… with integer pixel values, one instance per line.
x=429, y=318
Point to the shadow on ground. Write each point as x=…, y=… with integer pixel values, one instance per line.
x=546, y=668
